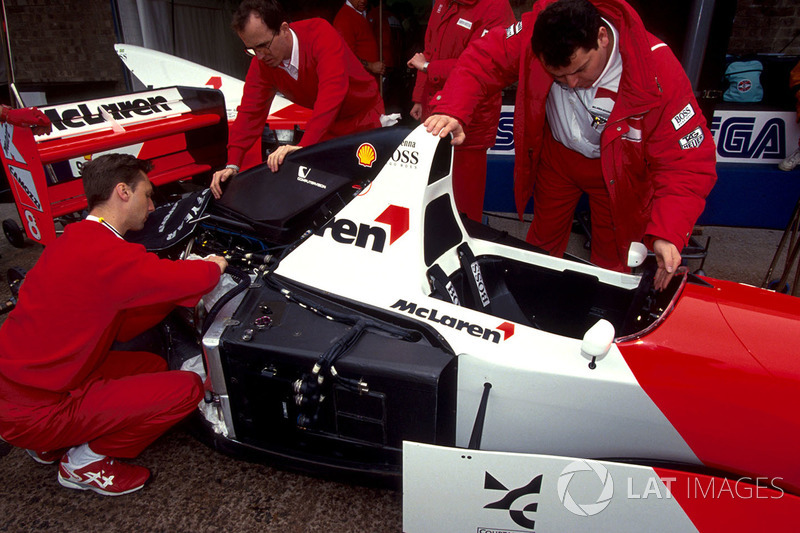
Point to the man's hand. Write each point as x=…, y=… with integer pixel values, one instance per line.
x=275, y=159
x=218, y=178
x=416, y=111
x=377, y=67
x=28, y=117
x=443, y=125
x=668, y=259
x=417, y=62
x=219, y=261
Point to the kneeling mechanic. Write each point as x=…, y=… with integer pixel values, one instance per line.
x=65, y=395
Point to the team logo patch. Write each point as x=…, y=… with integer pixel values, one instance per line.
x=513, y=30
x=683, y=117
x=744, y=86
x=366, y=155
x=693, y=140
x=464, y=23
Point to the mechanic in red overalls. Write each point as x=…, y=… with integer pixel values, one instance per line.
x=311, y=65
x=355, y=28
x=602, y=107
x=452, y=26
x=29, y=117
x=62, y=388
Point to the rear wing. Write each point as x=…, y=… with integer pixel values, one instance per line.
x=183, y=131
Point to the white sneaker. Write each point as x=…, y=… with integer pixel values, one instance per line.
x=106, y=476
x=790, y=162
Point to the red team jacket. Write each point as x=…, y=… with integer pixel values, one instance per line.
x=452, y=26
x=356, y=31
x=331, y=81
x=87, y=289
x=657, y=154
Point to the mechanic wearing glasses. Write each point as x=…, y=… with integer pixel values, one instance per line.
x=310, y=64
x=65, y=394
x=602, y=107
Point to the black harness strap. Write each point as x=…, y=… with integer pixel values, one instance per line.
x=441, y=287
x=474, y=278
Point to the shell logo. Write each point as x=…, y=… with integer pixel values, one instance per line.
x=366, y=155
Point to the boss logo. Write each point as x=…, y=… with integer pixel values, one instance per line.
x=682, y=117
x=405, y=157
x=476, y=273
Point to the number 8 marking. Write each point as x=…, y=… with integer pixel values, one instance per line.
x=32, y=227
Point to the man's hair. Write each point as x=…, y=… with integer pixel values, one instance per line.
x=562, y=28
x=101, y=175
x=269, y=11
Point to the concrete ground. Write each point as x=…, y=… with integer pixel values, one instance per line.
x=199, y=490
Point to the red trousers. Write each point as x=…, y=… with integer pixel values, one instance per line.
x=563, y=175
x=124, y=406
x=469, y=180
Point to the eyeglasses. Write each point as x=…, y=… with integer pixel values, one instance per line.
x=264, y=47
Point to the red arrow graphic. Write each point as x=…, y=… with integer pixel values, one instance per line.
x=397, y=218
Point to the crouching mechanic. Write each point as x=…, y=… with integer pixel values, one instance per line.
x=61, y=386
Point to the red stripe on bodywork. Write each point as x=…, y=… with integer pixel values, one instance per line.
x=734, y=413
x=725, y=505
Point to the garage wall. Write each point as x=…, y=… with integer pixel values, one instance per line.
x=766, y=26
x=65, y=47
x=63, y=43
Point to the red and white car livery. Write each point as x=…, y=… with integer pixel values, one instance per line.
x=181, y=130
x=518, y=391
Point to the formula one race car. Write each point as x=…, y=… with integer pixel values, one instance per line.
x=369, y=327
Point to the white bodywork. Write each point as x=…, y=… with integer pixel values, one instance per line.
x=550, y=494
x=540, y=381
x=157, y=69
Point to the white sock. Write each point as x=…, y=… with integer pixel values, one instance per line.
x=80, y=456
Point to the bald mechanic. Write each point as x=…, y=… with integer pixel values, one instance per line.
x=310, y=64
x=64, y=394
x=452, y=26
x=602, y=107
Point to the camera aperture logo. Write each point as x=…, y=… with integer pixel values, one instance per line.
x=582, y=473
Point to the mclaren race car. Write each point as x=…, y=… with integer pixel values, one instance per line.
x=367, y=327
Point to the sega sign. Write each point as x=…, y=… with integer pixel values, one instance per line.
x=504, y=141
x=764, y=137
x=754, y=136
